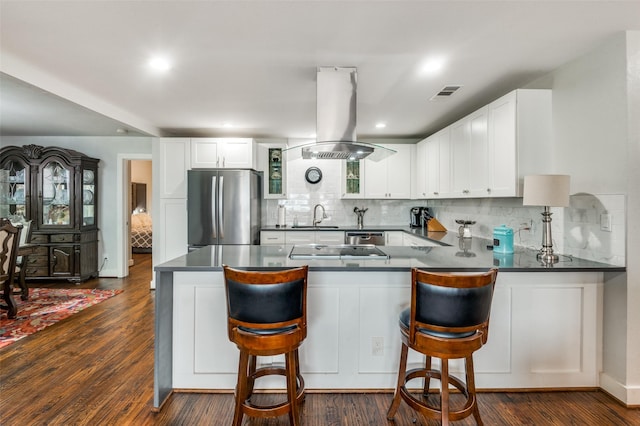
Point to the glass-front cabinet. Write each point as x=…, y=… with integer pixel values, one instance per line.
x=352, y=179
x=271, y=160
x=56, y=189
x=54, y=183
x=14, y=184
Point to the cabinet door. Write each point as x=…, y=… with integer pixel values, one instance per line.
x=170, y=230
x=271, y=161
x=399, y=172
x=422, y=170
x=272, y=238
x=432, y=174
x=394, y=238
x=460, y=158
x=300, y=237
x=352, y=179
x=15, y=189
x=375, y=184
x=478, y=165
x=236, y=153
x=172, y=159
x=204, y=153
x=444, y=163
x=503, y=178
x=55, y=185
x=62, y=261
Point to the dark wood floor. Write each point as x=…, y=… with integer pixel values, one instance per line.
x=96, y=368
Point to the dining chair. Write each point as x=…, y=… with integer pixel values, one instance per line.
x=9, y=241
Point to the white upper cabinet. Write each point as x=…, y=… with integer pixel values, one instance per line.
x=389, y=178
x=469, y=155
x=433, y=164
x=421, y=170
x=171, y=155
x=519, y=139
x=226, y=153
x=491, y=150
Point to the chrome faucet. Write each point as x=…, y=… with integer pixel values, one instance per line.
x=324, y=214
x=360, y=214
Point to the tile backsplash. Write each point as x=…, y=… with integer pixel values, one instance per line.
x=576, y=230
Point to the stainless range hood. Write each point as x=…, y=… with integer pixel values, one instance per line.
x=336, y=120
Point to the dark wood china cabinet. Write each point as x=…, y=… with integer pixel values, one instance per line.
x=57, y=189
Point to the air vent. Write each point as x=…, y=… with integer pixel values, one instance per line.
x=445, y=92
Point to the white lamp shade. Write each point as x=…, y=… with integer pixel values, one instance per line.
x=546, y=190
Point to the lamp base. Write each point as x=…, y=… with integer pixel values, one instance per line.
x=547, y=257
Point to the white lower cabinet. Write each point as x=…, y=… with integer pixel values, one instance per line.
x=301, y=237
x=544, y=332
x=394, y=238
x=413, y=241
x=272, y=238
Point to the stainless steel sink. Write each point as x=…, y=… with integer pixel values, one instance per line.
x=313, y=227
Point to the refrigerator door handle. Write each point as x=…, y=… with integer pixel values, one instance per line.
x=214, y=216
x=221, y=207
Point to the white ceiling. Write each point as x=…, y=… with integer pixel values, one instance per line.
x=80, y=68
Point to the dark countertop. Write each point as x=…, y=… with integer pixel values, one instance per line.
x=461, y=255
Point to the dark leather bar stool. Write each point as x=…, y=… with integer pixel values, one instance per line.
x=448, y=319
x=267, y=315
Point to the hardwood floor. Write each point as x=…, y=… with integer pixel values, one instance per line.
x=96, y=368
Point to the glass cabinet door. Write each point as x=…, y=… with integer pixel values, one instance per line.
x=55, y=187
x=275, y=187
x=352, y=179
x=88, y=197
x=14, y=190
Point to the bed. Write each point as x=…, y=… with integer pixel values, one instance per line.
x=141, y=233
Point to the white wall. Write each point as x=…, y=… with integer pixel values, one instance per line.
x=107, y=150
x=596, y=105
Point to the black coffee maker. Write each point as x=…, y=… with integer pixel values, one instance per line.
x=418, y=216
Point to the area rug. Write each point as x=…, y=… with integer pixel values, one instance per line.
x=45, y=307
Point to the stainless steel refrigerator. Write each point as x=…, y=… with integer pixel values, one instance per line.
x=224, y=206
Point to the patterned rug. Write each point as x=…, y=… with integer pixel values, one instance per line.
x=45, y=307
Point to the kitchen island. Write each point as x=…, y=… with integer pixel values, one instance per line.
x=545, y=329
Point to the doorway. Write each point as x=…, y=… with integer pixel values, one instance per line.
x=133, y=168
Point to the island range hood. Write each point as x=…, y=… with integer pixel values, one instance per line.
x=336, y=120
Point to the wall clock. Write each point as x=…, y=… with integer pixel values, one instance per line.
x=313, y=175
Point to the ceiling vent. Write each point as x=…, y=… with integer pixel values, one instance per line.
x=445, y=92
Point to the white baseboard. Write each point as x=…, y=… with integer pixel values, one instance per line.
x=108, y=273
x=628, y=395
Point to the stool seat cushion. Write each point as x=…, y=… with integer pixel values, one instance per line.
x=405, y=319
x=268, y=331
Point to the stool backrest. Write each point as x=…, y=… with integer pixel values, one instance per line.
x=451, y=303
x=268, y=299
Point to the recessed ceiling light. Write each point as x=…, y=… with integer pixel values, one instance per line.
x=227, y=125
x=312, y=135
x=432, y=66
x=380, y=125
x=159, y=63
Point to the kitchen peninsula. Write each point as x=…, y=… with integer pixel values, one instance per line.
x=545, y=329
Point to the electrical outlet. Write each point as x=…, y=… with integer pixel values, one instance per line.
x=605, y=222
x=377, y=346
x=106, y=257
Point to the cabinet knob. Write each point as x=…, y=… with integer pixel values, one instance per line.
x=435, y=193
x=488, y=189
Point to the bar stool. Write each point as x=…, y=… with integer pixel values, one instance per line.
x=448, y=319
x=267, y=315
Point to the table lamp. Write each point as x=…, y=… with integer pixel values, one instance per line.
x=547, y=191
